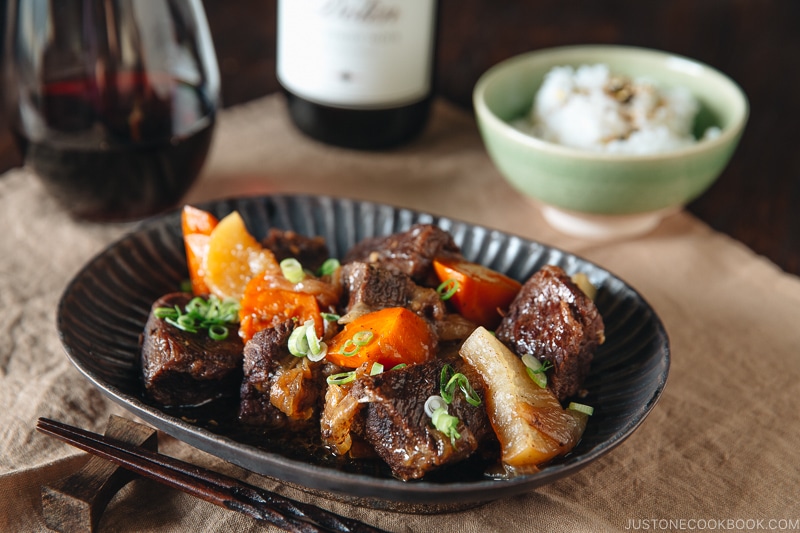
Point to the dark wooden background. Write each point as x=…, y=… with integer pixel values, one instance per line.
x=756, y=42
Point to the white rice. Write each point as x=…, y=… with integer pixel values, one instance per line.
x=592, y=109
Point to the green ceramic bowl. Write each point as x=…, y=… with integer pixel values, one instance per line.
x=605, y=194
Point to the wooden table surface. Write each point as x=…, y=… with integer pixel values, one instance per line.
x=755, y=43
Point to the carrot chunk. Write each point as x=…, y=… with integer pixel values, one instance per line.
x=195, y=220
x=262, y=306
x=197, y=226
x=389, y=336
x=480, y=293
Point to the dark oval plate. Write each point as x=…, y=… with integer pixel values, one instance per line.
x=104, y=308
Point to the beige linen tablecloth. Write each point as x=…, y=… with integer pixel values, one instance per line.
x=721, y=450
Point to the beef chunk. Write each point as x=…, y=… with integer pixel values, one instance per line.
x=278, y=388
x=395, y=423
x=261, y=355
x=411, y=252
x=369, y=287
x=181, y=368
x=310, y=251
x=552, y=319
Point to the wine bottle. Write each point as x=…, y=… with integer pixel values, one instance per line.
x=357, y=73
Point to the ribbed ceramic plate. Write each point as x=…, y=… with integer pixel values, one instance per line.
x=103, y=311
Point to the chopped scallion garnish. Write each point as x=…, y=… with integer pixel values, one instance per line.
x=314, y=345
x=376, y=369
x=446, y=423
x=186, y=323
x=450, y=379
x=217, y=332
x=536, y=369
x=319, y=356
x=213, y=315
x=352, y=345
x=448, y=288
x=342, y=378
x=433, y=403
x=303, y=342
x=362, y=338
x=581, y=408
x=328, y=267
x=349, y=348
x=292, y=270
x=330, y=317
x=436, y=408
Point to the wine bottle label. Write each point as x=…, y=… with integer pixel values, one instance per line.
x=356, y=53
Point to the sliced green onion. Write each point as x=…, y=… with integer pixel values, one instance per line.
x=229, y=310
x=376, y=369
x=362, y=338
x=292, y=270
x=217, y=332
x=349, y=348
x=398, y=367
x=581, y=408
x=536, y=369
x=167, y=312
x=187, y=323
x=530, y=361
x=328, y=267
x=469, y=393
x=197, y=305
x=448, y=381
x=444, y=378
x=352, y=345
x=317, y=349
x=311, y=336
x=538, y=377
x=303, y=342
x=320, y=355
x=181, y=323
x=298, y=341
x=330, y=317
x=212, y=314
x=433, y=403
x=448, y=288
x=446, y=423
x=436, y=408
x=342, y=378
x=231, y=315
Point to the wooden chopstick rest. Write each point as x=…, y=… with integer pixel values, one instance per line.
x=76, y=503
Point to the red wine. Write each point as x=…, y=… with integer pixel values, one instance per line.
x=357, y=73
x=121, y=151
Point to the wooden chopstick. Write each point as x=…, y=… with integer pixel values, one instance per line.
x=219, y=489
